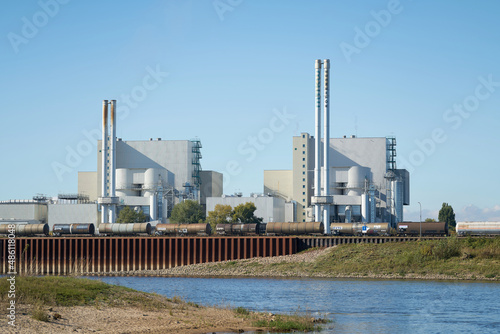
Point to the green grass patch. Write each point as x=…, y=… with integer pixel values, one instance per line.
x=466, y=258
x=241, y=310
x=70, y=291
x=288, y=324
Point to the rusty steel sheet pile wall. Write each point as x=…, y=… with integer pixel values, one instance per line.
x=311, y=242
x=97, y=255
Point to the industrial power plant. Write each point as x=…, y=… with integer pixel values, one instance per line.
x=338, y=190
x=332, y=180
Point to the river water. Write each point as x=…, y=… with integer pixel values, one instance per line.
x=353, y=305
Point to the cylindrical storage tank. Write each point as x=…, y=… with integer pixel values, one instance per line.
x=151, y=176
x=428, y=228
x=125, y=229
x=356, y=180
x=223, y=229
x=398, y=199
x=182, y=229
x=166, y=229
x=26, y=229
x=200, y=229
x=371, y=228
x=236, y=229
x=365, y=208
x=152, y=206
x=295, y=228
x=342, y=229
x=248, y=229
x=124, y=180
x=59, y=229
x=478, y=228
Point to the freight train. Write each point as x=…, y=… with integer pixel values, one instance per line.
x=338, y=229
x=274, y=228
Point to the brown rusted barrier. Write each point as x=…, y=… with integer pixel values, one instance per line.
x=94, y=255
x=311, y=242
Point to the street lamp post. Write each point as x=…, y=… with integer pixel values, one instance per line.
x=420, y=219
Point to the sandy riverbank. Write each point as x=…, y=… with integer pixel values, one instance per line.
x=89, y=319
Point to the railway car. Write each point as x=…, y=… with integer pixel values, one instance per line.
x=238, y=229
x=71, y=229
x=478, y=228
x=360, y=228
x=311, y=228
x=125, y=229
x=183, y=229
x=428, y=228
x=25, y=230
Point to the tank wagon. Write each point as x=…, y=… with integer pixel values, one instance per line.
x=478, y=228
x=183, y=229
x=25, y=230
x=312, y=228
x=357, y=228
x=71, y=229
x=428, y=228
x=125, y=229
x=240, y=229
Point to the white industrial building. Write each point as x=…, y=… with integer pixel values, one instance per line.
x=65, y=209
x=350, y=179
x=23, y=211
x=150, y=175
x=363, y=182
x=269, y=208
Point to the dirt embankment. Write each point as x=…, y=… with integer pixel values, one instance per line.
x=89, y=319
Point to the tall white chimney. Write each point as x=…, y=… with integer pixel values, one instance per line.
x=326, y=145
x=112, y=160
x=317, y=141
x=104, y=162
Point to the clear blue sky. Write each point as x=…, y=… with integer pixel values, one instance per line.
x=398, y=69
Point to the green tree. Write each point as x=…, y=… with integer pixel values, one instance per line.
x=187, y=212
x=430, y=220
x=245, y=213
x=127, y=215
x=446, y=214
x=220, y=215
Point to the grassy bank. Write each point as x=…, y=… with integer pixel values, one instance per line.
x=451, y=258
x=469, y=258
x=69, y=301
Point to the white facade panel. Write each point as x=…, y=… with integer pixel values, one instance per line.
x=72, y=214
x=24, y=211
